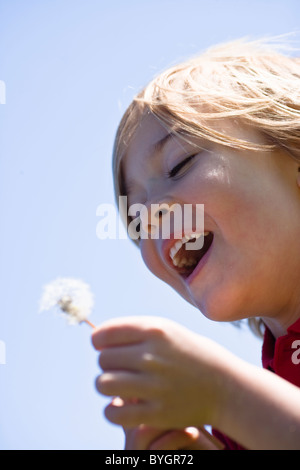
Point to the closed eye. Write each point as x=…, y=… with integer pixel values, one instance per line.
x=178, y=168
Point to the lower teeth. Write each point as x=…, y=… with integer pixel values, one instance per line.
x=184, y=263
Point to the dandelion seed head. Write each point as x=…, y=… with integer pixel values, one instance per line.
x=72, y=297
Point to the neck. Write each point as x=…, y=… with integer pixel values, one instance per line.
x=277, y=326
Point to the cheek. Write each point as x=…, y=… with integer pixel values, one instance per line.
x=217, y=187
x=148, y=255
x=154, y=264
x=153, y=261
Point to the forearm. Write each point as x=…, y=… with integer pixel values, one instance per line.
x=180, y=379
x=259, y=409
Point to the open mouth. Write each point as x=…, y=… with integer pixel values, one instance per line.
x=186, y=260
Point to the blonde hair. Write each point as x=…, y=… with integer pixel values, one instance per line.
x=252, y=81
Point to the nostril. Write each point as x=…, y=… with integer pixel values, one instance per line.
x=161, y=212
x=151, y=229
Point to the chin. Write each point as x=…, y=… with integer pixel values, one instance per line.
x=219, y=308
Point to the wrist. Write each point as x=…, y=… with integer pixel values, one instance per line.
x=226, y=389
x=216, y=383
x=253, y=415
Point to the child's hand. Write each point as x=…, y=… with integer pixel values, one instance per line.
x=147, y=438
x=166, y=376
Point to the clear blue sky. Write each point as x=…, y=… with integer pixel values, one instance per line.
x=70, y=68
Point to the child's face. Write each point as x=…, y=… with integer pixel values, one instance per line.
x=252, y=207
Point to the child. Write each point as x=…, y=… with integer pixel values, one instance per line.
x=222, y=130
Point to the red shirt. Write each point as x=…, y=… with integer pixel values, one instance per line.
x=281, y=356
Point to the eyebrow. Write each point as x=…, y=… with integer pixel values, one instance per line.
x=159, y=146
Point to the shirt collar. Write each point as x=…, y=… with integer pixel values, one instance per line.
x=280, y=355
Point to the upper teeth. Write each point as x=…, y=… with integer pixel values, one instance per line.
x=175, y=248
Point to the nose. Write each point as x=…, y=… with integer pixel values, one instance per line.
x=150, y=217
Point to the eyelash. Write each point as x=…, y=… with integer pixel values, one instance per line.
x=174, y=172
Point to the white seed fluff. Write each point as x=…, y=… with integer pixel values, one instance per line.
x=72, y=297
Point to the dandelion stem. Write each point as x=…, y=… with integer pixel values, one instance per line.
x=89, y=323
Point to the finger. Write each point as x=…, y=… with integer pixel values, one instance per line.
x=140, y=437
x=122, y=331
x=117, y=332
x=215, y=441
x=120, y=358
x=128, y=414
x=136, y=358
x=189, y=438
x=175, y=440
x=126, y=385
